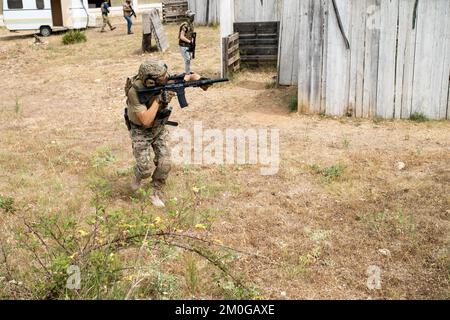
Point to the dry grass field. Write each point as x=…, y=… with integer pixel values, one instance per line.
x=338, y=205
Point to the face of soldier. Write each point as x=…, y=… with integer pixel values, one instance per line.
x=163, y=79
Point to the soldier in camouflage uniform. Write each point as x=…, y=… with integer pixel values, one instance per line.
x=185, y=39
x=147, y=133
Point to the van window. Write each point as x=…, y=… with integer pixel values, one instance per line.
x=15, y=4
x=40, y=4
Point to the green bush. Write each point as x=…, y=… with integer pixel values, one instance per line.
x=293, y=104
x=418, y=117
x=74, y=36
x=109, y=254
x=7, y=204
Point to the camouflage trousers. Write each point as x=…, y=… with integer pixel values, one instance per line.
x=145, y=141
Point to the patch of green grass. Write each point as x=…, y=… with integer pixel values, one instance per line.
x=74, y=36
x=346, y=143
x=102, y=157
x=377, y=119
x=317, y=235
x=231, y=291
x=384, y=222
x=164, y=286
x=215, y=25
x=293, y=104
x=418, y=117
x=329, y=174
x=191, y=275
x=7, y=204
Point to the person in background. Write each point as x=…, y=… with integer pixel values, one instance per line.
x=128, y=12
x=185, y=39
x=105, y=11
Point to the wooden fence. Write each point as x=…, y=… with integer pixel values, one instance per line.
x=207, y=11
x=398, y=62
x=258, y=41
x=231, y=57
x=257, y=10
x=174, y=10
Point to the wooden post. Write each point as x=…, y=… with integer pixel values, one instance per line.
x=225, y=57
x=151, y=25
x=146, y=32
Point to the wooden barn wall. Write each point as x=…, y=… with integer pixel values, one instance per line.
x=257, y=10
x=207, y=11
x=289, y=43
x=398, y=62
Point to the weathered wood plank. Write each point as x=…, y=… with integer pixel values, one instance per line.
x=288, y=46
x=387, y=59
x=225, y=57
x=405, y=59
x=258, y=10
x=430, y=58
x=445, y=78
x=372, y=50
x=317, y=34
x=234, y=37
x=338, y=61
x=265, y=58
x=232, y=60
x=304, y=60
x=207, y=11
x=233, y=48
x=357, y=54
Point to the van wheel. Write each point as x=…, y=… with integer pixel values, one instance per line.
x=45, y=31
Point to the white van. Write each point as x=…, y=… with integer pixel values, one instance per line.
x=45, y=15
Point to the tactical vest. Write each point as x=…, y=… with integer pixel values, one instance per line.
x=131, y=82
x=188, y=34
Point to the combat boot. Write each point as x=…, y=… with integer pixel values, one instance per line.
x=136, y=183
x=156, y=201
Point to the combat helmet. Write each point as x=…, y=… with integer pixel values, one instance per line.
x=152, y=69
x=190, y=15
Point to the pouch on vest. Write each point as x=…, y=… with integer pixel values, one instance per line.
x=129, y=84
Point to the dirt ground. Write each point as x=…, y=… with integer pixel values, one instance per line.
x=337, y=207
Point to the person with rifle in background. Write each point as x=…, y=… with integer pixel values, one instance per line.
x=187, y=40
x=128, y=12
x=105, y=11
x=147, y=115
